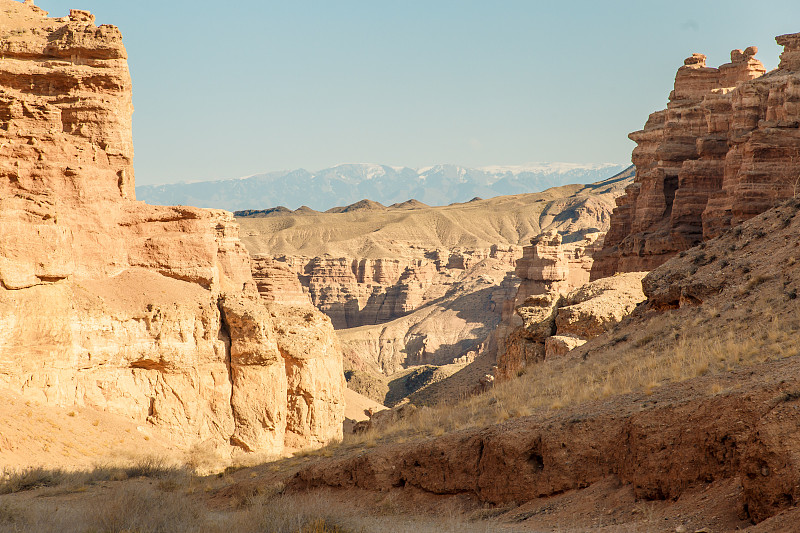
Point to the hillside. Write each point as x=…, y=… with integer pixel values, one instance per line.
x=684, y=418
x=345, y=184
x=692, y=398
x=370, y=233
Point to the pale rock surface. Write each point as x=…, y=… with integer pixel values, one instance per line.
x=590, y=310
x=561, y=345
x=111, y=304
x=357, y=292
x=444, y=331
x=726, y=148
x=277, y=281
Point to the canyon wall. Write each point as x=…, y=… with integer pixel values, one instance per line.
x=449, y=329
x=726, y=148
x=106, y=302
x=358, y=291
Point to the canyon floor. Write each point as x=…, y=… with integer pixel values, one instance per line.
x=156, y=375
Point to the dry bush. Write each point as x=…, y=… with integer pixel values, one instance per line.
x=139, y=507
x=12, y=481
x=30, y=478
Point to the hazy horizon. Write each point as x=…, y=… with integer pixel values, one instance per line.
x=240, y=89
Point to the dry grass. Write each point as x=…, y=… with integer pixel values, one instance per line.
x=13, y=481
x=143, y=507
x=676, y=346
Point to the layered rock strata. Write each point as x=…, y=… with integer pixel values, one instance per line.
x=357, y=292
x=105, y=302
x=449, y=329
x=726, y=148
x=660, y=445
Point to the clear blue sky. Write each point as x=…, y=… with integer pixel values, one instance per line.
x=233, y=88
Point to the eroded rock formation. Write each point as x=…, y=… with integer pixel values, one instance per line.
x=555, y=308
x=106, y=302
x=726, y=148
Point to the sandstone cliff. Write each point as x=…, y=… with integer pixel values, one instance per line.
x=726, y=148
x=362, y=291
x=105, y=302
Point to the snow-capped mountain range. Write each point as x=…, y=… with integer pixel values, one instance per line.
x=348, y=183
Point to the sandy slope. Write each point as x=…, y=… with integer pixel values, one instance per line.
x=72, y=438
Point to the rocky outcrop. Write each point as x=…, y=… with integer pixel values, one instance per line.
x=549, y=265
x=555, y=308
x=105, y=302
x=726, y=148
x=277, y=282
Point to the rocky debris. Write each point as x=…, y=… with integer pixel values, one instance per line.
x=556, y=345
x=484, y=384
x=592, y=309
x=108, y=303
x=726, y=149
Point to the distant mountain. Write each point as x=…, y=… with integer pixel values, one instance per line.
x=346, y=184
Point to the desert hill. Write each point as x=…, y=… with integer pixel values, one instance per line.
x=500, y=222
x=686, y=407
x=127, y=328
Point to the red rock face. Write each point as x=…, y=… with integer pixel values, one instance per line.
x=726, y=149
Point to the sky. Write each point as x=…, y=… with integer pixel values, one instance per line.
x=236, y=88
